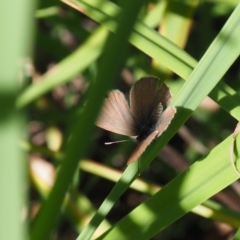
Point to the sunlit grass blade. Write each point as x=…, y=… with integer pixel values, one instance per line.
x=237, y=235
x=175, y=25
x=203, y=79
x=209, y=209
x=202, y=180
x=16, y=25
x=157, y=47
x=227, y=98
x=144, y=38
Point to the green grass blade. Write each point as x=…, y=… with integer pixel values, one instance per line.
x=15, y=45
x=227, y=98
x=209, y=209
x=220, y=56
x=237, y=235
x=203, y=79
x=66, y=69
x=91, y=50
x=115, y=46
x=158, y=47
x=202, y=180
x=144, y=38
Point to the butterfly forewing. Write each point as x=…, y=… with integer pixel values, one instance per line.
x=145, y=96
x=115, y=115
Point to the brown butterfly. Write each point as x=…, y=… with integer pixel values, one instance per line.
x=146, y=117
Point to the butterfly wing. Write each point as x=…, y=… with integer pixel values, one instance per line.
x=147, y=101
x=115, y=115
x=165, y=120
x=142, y=147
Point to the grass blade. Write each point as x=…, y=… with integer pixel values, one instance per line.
x=115, y=45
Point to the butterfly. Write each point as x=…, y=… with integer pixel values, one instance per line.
x=146, y=116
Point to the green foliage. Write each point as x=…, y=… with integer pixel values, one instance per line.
x=82, y=51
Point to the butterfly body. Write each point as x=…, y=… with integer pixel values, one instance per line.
x=146, y=116
x=145, y=128
x=145, y=131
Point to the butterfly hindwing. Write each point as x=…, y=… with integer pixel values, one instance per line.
x=115, y=115
x=142, y=147
x=166, y=119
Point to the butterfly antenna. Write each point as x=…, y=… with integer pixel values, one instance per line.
x=109, y=143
